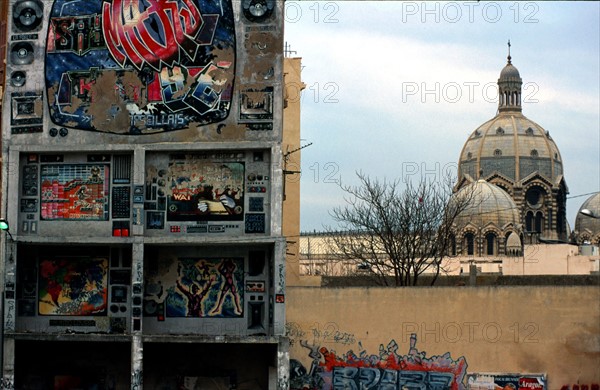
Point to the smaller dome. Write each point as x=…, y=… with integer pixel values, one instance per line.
x=487, y=204
x=513, y=241
x=509, y=71
x=513, y=245
x=588, y=227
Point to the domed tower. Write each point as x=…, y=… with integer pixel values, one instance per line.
x=587, y=228
x=519, y=155
x=489, y=223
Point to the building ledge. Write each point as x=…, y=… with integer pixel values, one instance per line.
x=166, y=338
x=86, y=337
x=221, y=339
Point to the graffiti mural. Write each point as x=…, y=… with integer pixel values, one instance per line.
x=192, y=287
x=387, y=370
x=75, y=192
x=73, y=287
x=140, y=66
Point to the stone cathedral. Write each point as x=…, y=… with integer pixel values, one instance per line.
x=519, y=156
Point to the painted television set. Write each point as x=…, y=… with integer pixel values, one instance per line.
x=205, y=290
x=75, y=194
x=72, y=287
x=144, y=71
x=151, y=71
x=197, y=288
x=223, y=192
x=81, y=289
x=200, y=190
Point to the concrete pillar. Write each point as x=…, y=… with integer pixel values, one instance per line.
x=137, y=293
x=137, y=362
x=283, y=364
x=8, y=364
x=9, y=311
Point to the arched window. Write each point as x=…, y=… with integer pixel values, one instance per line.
x=529, y=221
x=490, y=240
x=470, y=243
x=452, y=244
x=539, y=222
x=534, y=197
x=560, y=220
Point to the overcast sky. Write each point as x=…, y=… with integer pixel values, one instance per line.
x=392, y=86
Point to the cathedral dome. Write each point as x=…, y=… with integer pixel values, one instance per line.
x=587, y=228
x=509, y=71
x=512, y=146
x=488, y=206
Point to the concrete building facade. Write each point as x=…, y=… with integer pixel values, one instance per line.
x=142, y=182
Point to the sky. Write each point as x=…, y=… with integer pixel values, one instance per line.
x=394, y=89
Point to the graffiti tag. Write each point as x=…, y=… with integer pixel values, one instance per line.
x=125, y=26
x=386, y=371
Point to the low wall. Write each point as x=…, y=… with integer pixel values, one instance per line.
x=459, y=330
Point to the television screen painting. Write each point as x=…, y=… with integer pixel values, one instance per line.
x=200, y=190
x=140, y=66
x=75, y=192
x=73, y=286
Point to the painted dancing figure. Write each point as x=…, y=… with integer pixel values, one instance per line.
x=195, y=297
x=227, y=268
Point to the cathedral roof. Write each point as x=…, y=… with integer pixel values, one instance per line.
x=585, y=223
x=510, y=144
x=513, y=146
x=488, y=205
x=509, y=71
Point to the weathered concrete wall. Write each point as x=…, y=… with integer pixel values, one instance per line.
x=525, y=329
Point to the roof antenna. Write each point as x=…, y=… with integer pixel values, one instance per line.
x=509, y=57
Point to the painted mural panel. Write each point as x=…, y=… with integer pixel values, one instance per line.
x=74, y=192
x=386, y=370
x=196, y=287
x=73, y=286
x=140, y=66
x=199, y=190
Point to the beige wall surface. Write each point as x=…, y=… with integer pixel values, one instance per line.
x=292, y=68
x=528, y=330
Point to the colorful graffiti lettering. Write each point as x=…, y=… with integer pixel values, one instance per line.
x=388, y=370
x=125, y=24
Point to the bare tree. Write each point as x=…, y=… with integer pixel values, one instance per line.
x=398, y=233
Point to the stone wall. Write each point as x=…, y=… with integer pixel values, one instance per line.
x=372, y=335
